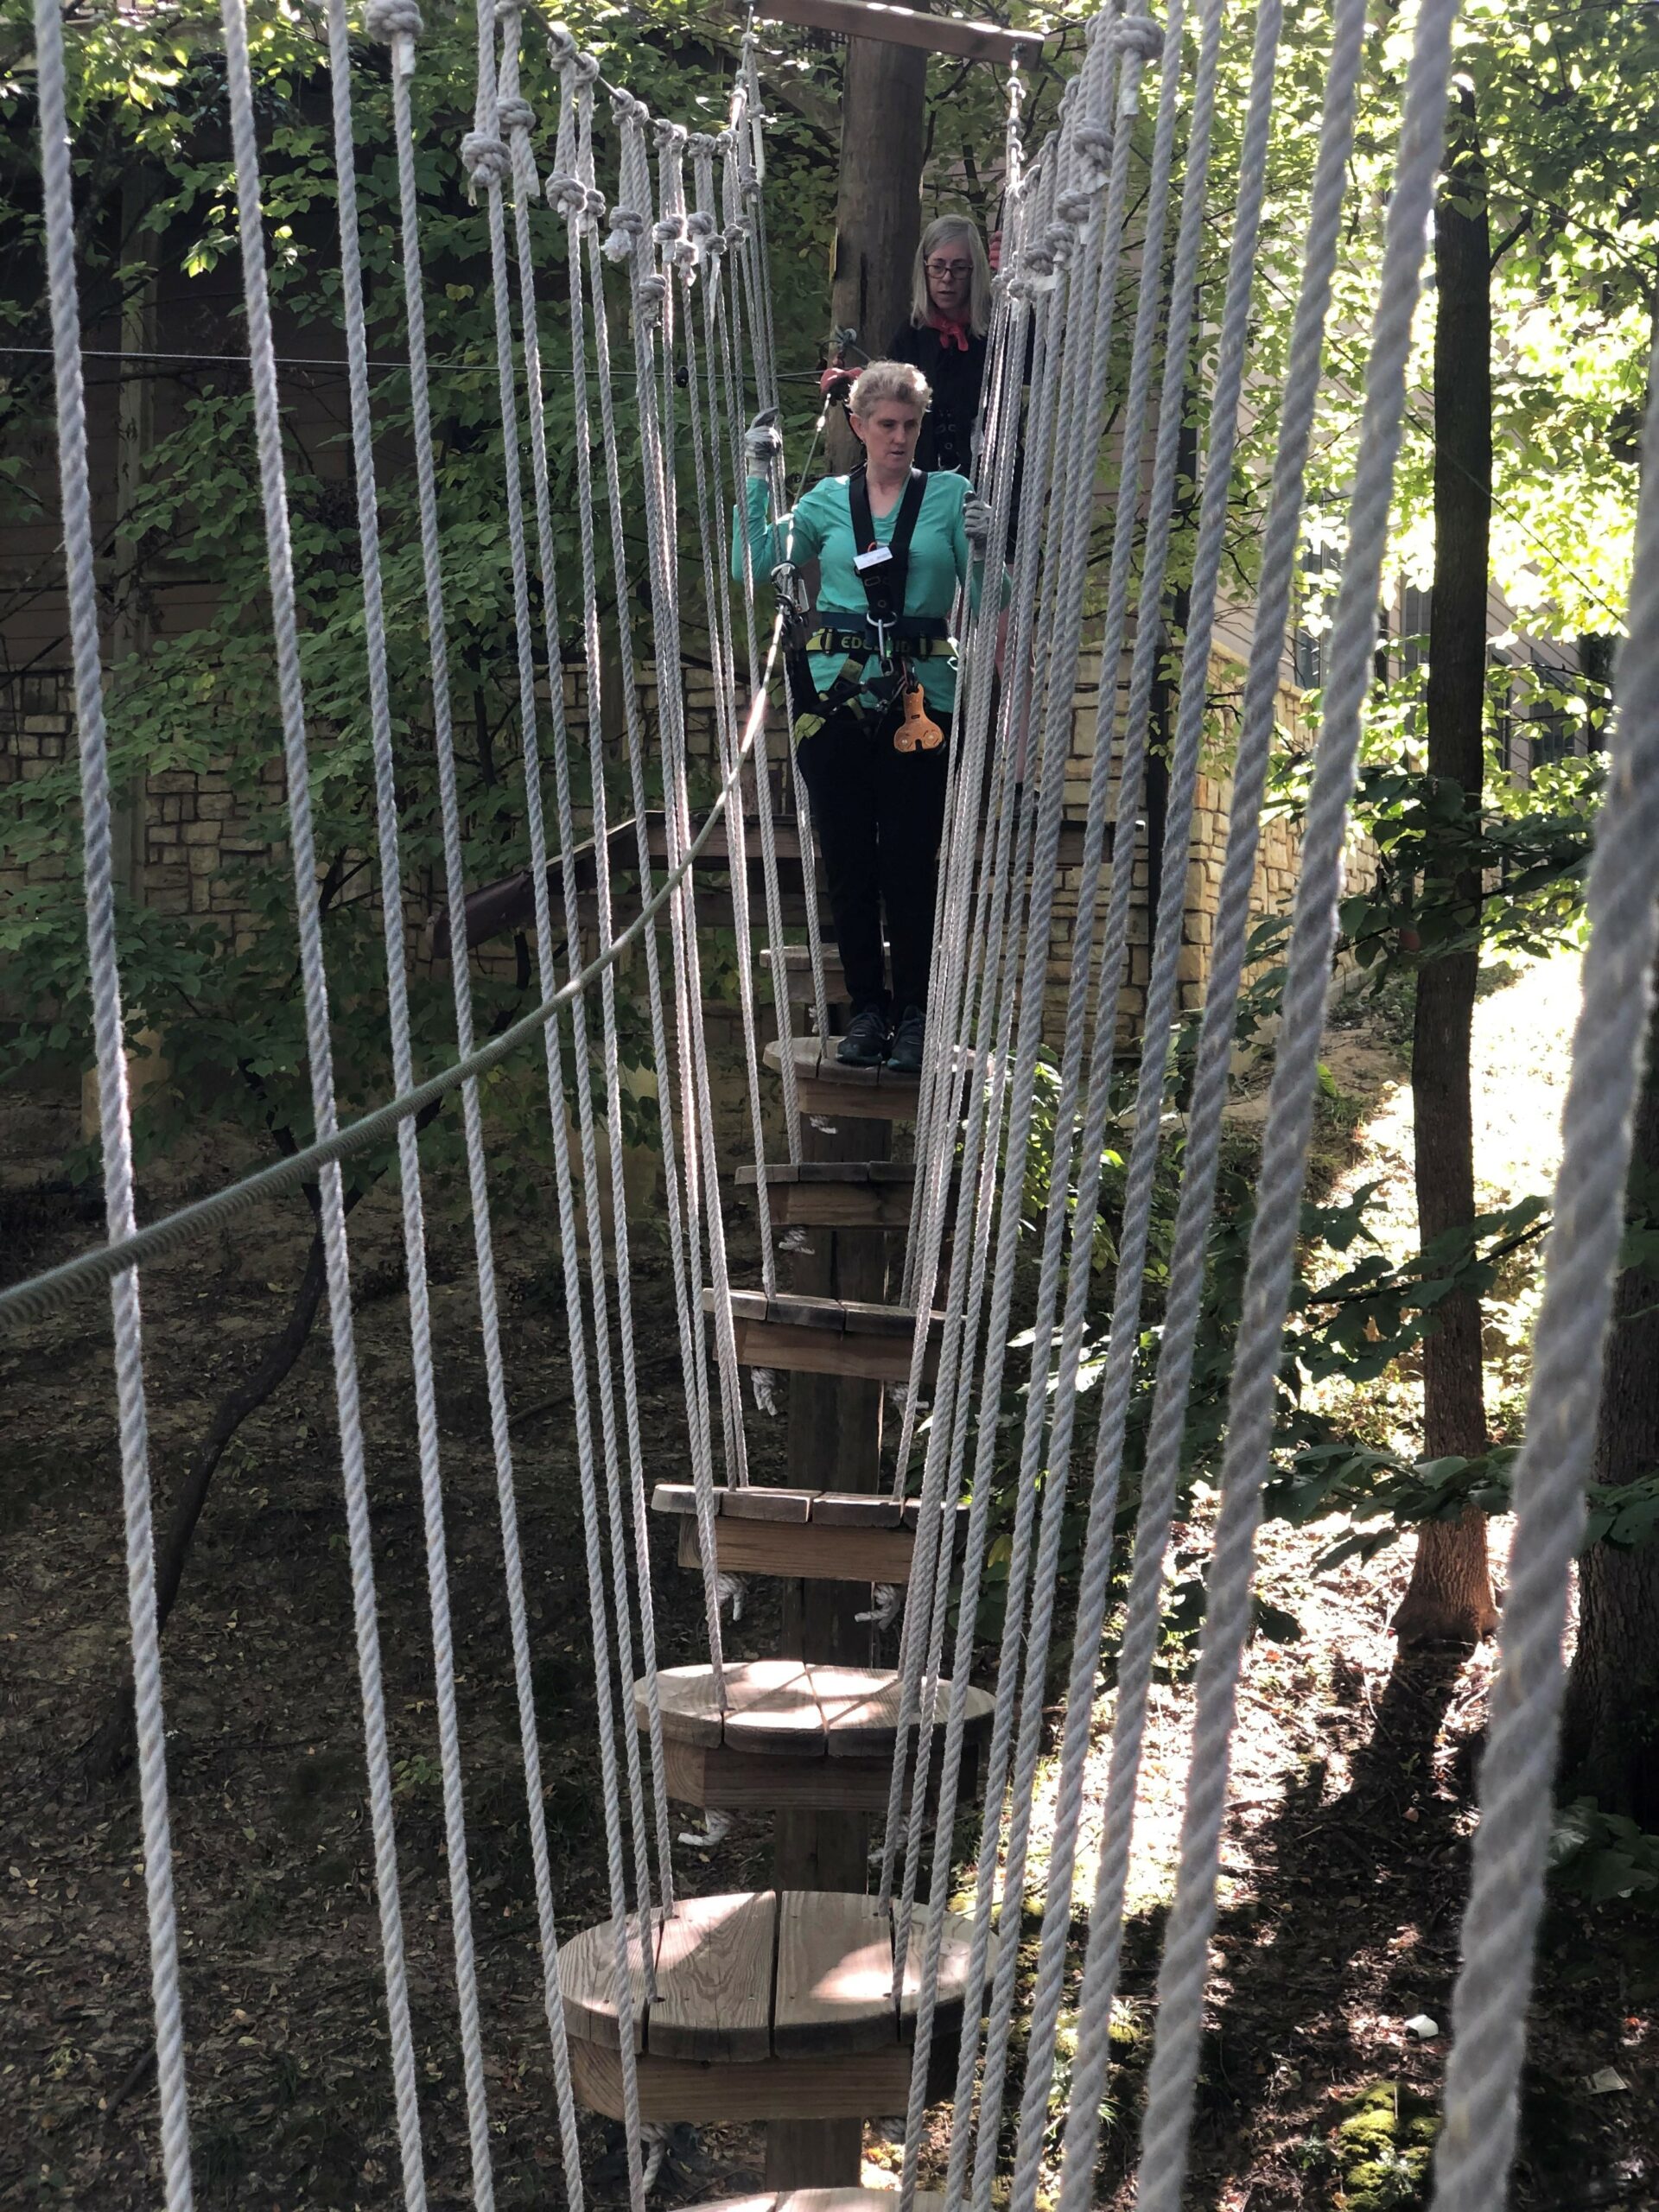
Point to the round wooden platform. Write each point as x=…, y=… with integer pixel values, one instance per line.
x=770, y=2004
x=818, y=2199
x=793, y=1738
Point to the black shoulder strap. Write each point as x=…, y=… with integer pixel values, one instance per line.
x=884, y=587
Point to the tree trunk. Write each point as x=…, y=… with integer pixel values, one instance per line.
x=879, y=209
x=1450, y=1599
x=1612, y=1704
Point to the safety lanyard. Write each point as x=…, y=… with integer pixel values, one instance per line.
x=884, y=569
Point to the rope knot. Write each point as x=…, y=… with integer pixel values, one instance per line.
x=561, y=45
x=1073, y=208
x=593, y=205
x=567, y=194
x=1138, y=34
x=586, y=68
x=701, y=143
x=390, y=19
x=701, y=227
x=748, y=181
x=506, y=9
x=515, y=115
x=485, y=158
x=1094, y=139
x=670, y=137
x=668, y=231
x=648, y=296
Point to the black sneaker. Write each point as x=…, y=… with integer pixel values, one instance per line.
x=865, y=1044
x=905, y=1056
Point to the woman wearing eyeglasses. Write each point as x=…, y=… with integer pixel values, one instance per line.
x=945, y=337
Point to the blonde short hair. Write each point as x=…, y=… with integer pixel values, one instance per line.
x=890, y=380
x=946, y=230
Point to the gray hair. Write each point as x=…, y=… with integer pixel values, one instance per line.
x=890, y=380
x=946, y=230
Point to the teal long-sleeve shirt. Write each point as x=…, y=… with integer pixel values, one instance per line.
x=821, y=529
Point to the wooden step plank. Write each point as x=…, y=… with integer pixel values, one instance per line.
x=851, y=2086
x=689, y=1708
x=586, y=1966
x=775, y=1713
x=678, y=1498
x=824, y=1087
x=854, y=1508
x=853, y=1195
x=813, y=1553
x=715, y=1961
x=950, y=2000
x=760, y=1502
x=818, y=2199
x=835, y=1974
x=735, y=1781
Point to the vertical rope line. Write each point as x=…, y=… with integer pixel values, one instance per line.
x=331, y=1199
x=695, y=1378
x=1250, y=1408
x=389, y=23
x=1477, y=2144
x=669, y=234
x=726, y=314
x=578, y=203
x=489, y=165
x=702, y=362
x=1083, y=2127
x=57, y=187
x=1078, y=365
x=635, y=189
x=1163, y=1458
x=408, y=1154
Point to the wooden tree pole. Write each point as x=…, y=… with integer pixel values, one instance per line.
x=1450, y=1599
x=879, y=209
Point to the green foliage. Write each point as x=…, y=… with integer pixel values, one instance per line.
x=1384, y=2146
x=1600, y=1856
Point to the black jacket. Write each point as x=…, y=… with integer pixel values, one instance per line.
x=948, y=430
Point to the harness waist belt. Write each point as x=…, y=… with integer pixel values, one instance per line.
x=845, y=635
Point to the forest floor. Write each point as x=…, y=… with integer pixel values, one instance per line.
x=1345, y=1853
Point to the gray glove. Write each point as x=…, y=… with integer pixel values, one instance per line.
x=763, y=444
x=977, y=521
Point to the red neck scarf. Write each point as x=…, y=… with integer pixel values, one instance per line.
x=950, y=334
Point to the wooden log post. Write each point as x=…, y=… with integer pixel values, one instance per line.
x=878, y=208
x=835, y=1443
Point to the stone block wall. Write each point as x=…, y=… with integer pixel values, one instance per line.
x=195, y=830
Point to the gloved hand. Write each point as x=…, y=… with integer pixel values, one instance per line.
x=977, y=521
x=763, y=443
x=836, y=376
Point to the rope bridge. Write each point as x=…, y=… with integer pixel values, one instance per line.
x=826, y=2004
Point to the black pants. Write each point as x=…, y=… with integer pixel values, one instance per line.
x=878, y=815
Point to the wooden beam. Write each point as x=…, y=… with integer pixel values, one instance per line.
x=905, y=27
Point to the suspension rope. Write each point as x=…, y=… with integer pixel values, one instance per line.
x=114, y=1126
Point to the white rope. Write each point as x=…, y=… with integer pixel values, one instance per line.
x=489, y=166
x=580, y=204
x=398, y=22
x=273, y=494
x=1488, y=2008
x=630, y=223
x=57, y=191
x=409, y=1152
x=1289, y=1122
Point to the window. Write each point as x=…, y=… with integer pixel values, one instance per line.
x=1413, y=628
x=1313, y=640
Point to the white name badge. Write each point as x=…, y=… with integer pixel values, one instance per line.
x=877, y=558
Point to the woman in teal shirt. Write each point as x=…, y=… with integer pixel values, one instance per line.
x=893, y=545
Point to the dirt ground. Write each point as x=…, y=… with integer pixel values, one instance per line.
x=1345, y=1854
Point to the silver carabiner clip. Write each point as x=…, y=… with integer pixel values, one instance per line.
x=881, y=629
